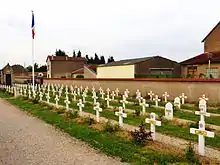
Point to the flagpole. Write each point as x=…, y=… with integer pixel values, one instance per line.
x=33, y=52
x=33, y=64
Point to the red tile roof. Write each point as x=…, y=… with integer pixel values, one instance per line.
x=203, y=58
x=64, y=58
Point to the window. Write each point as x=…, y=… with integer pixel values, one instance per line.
x=213, y=72
x=191, y=70
x=161, y=71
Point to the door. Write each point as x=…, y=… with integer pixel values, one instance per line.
x=8, y=79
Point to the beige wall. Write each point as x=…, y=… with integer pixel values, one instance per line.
x=202, y=69
x=174, y=87
x=212, y=43
x=124, y=71
x=89, y=73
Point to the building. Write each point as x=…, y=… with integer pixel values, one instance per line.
x=7, y=75
x=88, y=71
x=212, y=40
x=207, y=64
x=155, y=66
x=202, y=66
x=63, y=66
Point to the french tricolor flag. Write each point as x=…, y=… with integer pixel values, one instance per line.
x=33, y=25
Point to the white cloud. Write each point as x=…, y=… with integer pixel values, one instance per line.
x=121, y=28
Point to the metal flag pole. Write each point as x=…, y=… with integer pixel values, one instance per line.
x=33, y=50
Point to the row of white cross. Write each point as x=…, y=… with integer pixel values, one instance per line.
x=201, y=132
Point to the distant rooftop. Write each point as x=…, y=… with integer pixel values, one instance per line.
x=65, y=58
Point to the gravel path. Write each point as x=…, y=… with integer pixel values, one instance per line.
x=25, y=140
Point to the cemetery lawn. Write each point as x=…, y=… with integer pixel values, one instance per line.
x=167, y=127
x=106, y=142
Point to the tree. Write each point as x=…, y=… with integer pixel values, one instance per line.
x=79, y=54
x=42, y=68
x=60, y=53
x=29, y=68
x=87, y=59
x=111, y=59
x=102, y=60
x=74, y=53
x=96, y=59
x=91, y=60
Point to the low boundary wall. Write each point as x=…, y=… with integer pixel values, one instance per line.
x=193, y=88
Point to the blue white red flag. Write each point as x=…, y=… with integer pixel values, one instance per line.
x=33, y=25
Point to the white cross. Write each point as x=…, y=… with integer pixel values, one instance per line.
x=80, y=105
x=123, y=101
x=97, y=109
x=202, y=134
x=21, y=92
x=25, y=92
x=165, y=95
x=29, y=94
x=93, y=89
x=138, y=96
x=48, y=97
x=74, y=95
x=54, y=91
x=84, y=95
x=156, y=99
x=183, y=97
x=117, y=92
x=120, y=115
x=144, y=105
x=177, y=102
x=107, y=100
x=67, y=102
x=102, y=94
x=94, y=97
x=81, y=88
x=100, y=90
x=126, y=92
x=203, y=97
x=60, y=93
x=34, y=94
x=151, y=94
x=108, y=90
x=113, y=95
x=153, y=122
x=169, y=111
x=56, y=100
x=78, y=91
x=202, y=112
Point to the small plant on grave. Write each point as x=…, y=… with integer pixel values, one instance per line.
x=89, y=121
x=190, y=154
x=88, y=104
x=103, y=104
x=72, y=114
x=111, y=128
x=60, y=110
x=137, y=112
x=136, y=103
x=141, y=136
x=194, y=125
x=25, y=98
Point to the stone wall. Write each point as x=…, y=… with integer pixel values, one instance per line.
x=193, y=88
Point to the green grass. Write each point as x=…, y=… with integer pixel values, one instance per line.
x=108, y=143
x=168, y=127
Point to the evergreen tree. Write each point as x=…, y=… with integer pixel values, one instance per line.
x=111, y=59
x=60, y=53
x=79, y=54
x=96, y=59
x=91, y=60
x=87, y=59
x=102, y=60
x=74, y=53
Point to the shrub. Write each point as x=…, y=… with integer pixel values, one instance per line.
x=80, y=76
x=72, y=114
x=35, y=101
x=89, y=121
x=111, y=128
x=60, y=110
x=137, y=112
x=190, y=154
x=141, y=136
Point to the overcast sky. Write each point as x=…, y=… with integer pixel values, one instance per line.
x=119, y=28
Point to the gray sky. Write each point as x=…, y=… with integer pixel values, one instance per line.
x=120, y=28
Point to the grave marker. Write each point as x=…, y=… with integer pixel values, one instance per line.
x=165, y=95
x=153, y=122
x=183, y=97
x=123, y=101
x=120, y=115
x=177, y=102
x=80, y=105
x=169, y=111
x=97, y=109
x=144, y=105
x=156, y=99
x=151, y=94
